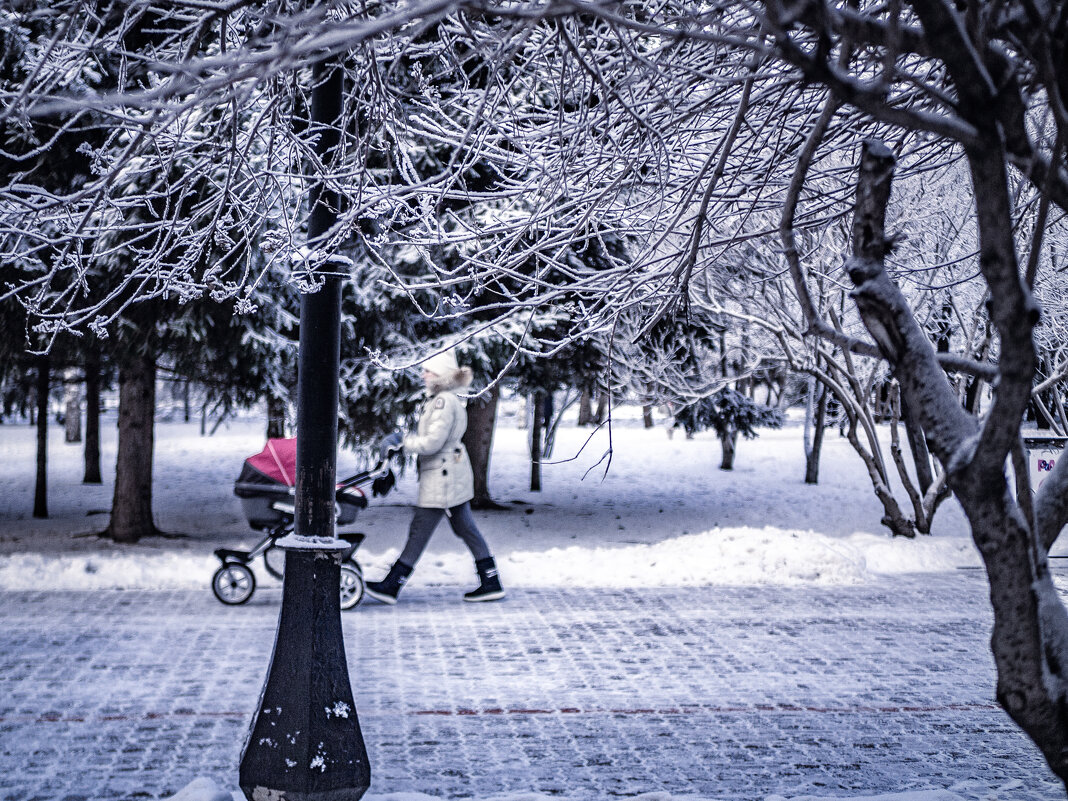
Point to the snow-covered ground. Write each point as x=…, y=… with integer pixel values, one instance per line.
x=663, y=515
x=206, y=790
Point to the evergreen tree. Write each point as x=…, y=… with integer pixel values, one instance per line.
x=729, y=413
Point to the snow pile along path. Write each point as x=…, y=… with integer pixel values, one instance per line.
x=727, y=556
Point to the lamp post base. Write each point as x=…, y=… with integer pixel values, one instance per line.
x=305, y=743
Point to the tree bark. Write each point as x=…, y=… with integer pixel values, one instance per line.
x=647, y=416
x=535, y=444
x=92, y=473
x=921, y=456
x=72, y=410
x=131, y=506
x=585, y=412
x=1029, y=641
x=819, y=426
x=478, y=439
x=728, y=442
x=276, y=417
x=40, y=490
x=602, y=408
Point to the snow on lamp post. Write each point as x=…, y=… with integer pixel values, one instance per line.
x=305, y=743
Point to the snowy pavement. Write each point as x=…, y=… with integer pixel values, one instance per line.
x=671, y=629
x=713, y=692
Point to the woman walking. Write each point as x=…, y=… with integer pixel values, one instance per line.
x=446, y=483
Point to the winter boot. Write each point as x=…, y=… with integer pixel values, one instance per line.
x=489, y=586
x=386, y=590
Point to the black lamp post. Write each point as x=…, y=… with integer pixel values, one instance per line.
x=304, y=743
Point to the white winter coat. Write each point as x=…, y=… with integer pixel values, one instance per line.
x=445, y=477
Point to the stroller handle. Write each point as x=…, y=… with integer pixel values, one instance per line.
x=380, y=469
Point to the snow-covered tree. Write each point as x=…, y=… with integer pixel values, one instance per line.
x=729, y=413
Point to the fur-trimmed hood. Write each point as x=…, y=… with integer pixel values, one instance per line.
x=455, y=379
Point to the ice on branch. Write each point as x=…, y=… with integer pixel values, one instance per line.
x=100, y=159
x=99, y=327
x=274, y=241
x=310, y=267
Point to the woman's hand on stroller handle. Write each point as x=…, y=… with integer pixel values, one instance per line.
x=392, y=444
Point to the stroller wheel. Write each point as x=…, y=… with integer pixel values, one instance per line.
x=351, y=585
x=233, y=584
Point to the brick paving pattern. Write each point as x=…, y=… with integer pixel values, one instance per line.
x=725, y=693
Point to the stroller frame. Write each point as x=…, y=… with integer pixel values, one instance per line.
x=271, y=509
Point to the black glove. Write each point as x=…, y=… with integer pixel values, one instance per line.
x=383, y=484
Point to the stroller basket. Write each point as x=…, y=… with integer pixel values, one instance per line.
x=266, y=488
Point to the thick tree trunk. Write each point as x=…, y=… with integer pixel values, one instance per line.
x=1030, y=632
x=647, y=416
x=535, y=444
x=585, y=412
x=478, y=439
x=276, y=417
x=728, y=443
x=40, y=490
x=131, y=507
x=92, y=473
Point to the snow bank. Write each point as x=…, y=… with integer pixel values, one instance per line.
x=722, y=556
x=103, y=571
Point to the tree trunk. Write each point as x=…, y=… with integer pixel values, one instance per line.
x=131, y=506
x=585, y=413
x=1029, y=638
x=819, y=426
x=973, y=395
x=723, y=353
x=728, y=442
x=40, y=491
x=535, y=445
x=647, y=416
x=893, y=518
x=921, y=456
x=478, y=439
x=276, y=417
x=72, y=411
x=92, y=473
x=602, y=408
x=186, y=408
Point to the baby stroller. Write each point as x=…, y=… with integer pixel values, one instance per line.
x=266, y=488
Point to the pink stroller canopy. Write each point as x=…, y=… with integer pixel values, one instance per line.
x=277, y=462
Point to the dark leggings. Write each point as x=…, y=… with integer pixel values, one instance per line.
x=424, y=521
